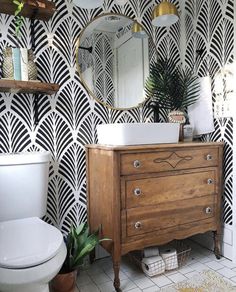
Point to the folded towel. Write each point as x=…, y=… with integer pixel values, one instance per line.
x=201, y=113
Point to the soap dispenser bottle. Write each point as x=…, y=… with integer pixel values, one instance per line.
x=188, y=131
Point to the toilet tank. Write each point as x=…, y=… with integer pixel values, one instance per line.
x=23, y=185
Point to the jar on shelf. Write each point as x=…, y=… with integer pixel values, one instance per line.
x=32, y=68
x=7, y=66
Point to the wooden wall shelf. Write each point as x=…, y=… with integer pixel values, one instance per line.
x=39, y=9
x=15, y=86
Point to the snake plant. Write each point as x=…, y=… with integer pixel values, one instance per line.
x=79, y=242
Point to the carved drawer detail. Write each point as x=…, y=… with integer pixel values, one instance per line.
x=175, y=159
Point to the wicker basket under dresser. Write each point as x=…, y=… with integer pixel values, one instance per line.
x=152, y=194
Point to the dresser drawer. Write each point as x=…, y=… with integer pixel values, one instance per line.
x=173, y=159
x=147, y=219
x=161, y=189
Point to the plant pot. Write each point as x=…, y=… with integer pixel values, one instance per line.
x=64, y=282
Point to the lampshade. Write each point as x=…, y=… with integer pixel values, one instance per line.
x=121, y=2
x=165, y=14
x=138, y=32
x=88, y=4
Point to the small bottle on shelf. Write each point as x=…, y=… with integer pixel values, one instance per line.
x=188, y=131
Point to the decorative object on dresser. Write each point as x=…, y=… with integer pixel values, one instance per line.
x=153, y=194
x=171, y=87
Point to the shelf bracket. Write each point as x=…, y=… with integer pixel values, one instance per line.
x=36, y=109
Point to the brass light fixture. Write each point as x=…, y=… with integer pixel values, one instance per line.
x=165, y=14
x=138, y=32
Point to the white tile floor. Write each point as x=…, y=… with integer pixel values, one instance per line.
x=99, y=276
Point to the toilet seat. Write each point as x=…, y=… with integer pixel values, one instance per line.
x=27, y=243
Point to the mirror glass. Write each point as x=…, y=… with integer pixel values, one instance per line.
x=113, y=61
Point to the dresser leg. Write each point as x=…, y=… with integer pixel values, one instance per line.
x=217, y=245
x=116, y=267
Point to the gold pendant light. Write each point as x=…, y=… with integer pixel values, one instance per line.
x=165, y=14
x=138, y=31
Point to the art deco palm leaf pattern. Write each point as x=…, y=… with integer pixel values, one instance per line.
x=213, y=31
x=68, y=119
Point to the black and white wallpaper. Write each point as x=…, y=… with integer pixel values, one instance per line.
x=210, y=27
x=68, y=119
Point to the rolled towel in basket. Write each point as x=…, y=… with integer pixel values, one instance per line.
x=151, y=251
x=153, y=265
x=169, y=256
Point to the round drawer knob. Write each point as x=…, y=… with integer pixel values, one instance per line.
x=210, y=181
x=208, y=210
x=137, y=192
x=137, y=225
x=209, y=157
x=137, y=163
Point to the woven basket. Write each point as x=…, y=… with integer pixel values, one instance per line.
x=156, y=267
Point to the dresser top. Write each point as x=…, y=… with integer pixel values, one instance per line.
x=156, y=146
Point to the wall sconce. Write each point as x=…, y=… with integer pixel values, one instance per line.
x=88, y=4
x=165, y=14
x=138, y=32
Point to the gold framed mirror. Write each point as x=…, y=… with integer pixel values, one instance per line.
x=113, y=55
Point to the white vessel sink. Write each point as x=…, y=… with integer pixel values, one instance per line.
x=138, y=133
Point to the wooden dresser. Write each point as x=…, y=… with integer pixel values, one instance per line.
x=151, y=194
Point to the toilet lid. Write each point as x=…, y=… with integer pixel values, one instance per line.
x=27, y=242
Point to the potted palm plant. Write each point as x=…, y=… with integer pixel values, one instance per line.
x=79, y=243
x=170, y=87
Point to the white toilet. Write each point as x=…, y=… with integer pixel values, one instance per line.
x=31, y=251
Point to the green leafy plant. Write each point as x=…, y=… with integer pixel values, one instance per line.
x=79, y=242
x=170, y=86
x=19, y=19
